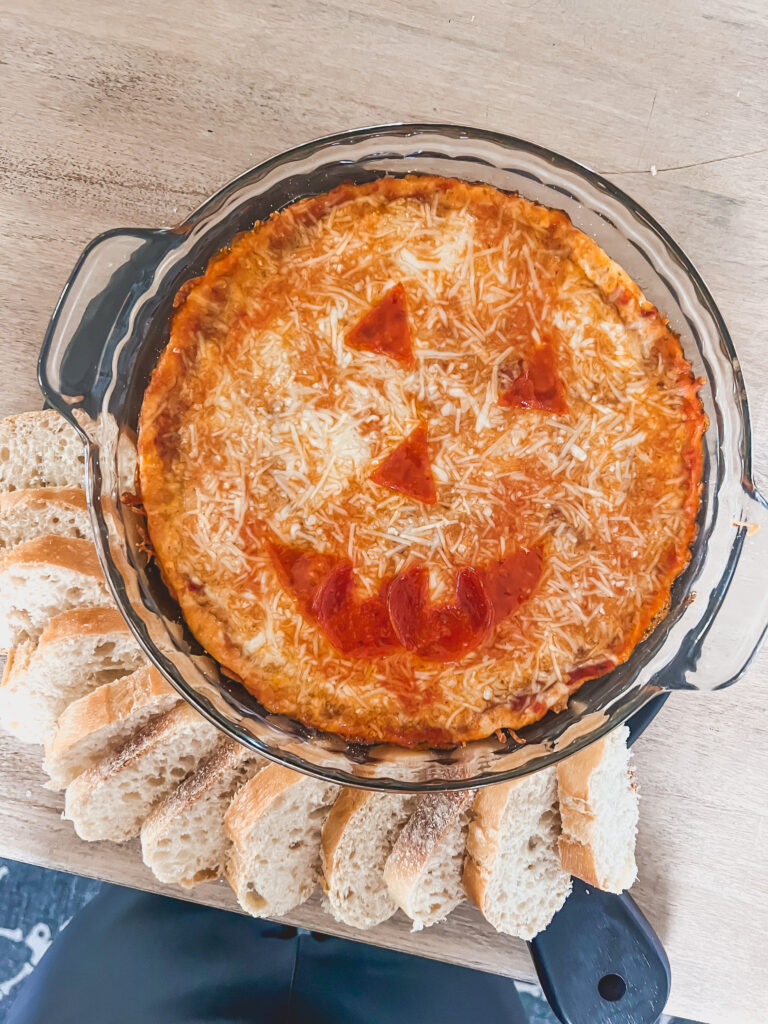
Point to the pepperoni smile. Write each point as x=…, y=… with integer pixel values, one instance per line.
x=401, y=616
x=439, y=632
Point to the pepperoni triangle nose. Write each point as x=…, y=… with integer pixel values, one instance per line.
x=408, y=470
x=538, y=386
x=384, y=329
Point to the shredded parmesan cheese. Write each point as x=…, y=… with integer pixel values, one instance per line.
x=286, y=423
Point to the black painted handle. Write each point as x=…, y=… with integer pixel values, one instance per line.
x=641, y=719
x=599, y=961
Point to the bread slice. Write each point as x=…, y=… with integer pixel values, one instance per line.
x=599, y=813
x=78, y=651
x=42, y=578
x=112, y=799
x=423, y=871
x=102, y=720
x=40, y=449
x=358, y=836
x=183, y=840
x=274, y=823
x=512, y=871
x=43, y=512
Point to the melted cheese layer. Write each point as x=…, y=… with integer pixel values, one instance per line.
x=258, y=410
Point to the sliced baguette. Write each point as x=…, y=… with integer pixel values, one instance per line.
x=78, y=651
x=42, y=578
x=44, y=512
x=274, y=824
x=39, y=449
x=183, y=840
x=112, y=799
x=102, y=720
x=423, y=871
x=358, y=836
x=599, y=813
x=512, y=871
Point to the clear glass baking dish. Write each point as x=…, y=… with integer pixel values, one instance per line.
x=112, y=322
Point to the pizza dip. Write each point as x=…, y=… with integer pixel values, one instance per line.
x=418, y=460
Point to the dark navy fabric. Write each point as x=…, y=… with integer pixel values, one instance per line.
x=134, y=958
x=34, y=905
x=205, y=966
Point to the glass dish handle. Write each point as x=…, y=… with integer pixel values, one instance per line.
x=725, y=643
x=93, y=313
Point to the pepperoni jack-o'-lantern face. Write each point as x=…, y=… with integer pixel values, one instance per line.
x=400, y=615
x=418, y=460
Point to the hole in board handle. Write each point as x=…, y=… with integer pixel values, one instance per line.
x=612, y=987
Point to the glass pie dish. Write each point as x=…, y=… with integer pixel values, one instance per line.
x=111, y=324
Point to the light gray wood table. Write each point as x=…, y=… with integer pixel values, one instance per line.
x=130, y=114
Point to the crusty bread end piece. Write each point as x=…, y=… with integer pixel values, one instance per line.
x=512, y=871
x=423, y=872
x=274, y=823
x=78, y=651
x=43, y=578
x=184, y=840
x=102, y=720
x=599, y=813
x=40, y=449
x=112, y=799
x=358, y=836
x=43, y=512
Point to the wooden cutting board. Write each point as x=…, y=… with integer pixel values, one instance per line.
x=133, y=114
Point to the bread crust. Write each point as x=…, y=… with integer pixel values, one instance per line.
x=67, y=497
x=344, y=809
x=83, y=622
x=255, y=798
x=574, y=773
x=16, y=661
x=72, y=553
x=579, y=860
x=107, y=704
x=482, y=839
x=578, y=814
x=419, y=840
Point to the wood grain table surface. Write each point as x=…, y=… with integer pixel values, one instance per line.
x=130, y=114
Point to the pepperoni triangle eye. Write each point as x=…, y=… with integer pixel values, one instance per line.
x=385, y=330
x=408, y=470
